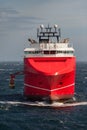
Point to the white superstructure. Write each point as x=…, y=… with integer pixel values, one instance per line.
x=46, y=47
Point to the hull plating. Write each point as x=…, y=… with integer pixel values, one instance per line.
x=52, y=78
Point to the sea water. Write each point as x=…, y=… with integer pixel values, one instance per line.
x=17, y=114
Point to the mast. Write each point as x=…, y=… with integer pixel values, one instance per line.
x=44, y=33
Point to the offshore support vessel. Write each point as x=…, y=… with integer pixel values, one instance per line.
x=49, y=66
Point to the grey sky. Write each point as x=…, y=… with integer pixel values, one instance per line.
x=19, y=20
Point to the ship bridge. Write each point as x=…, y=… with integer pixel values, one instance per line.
x=49, y=44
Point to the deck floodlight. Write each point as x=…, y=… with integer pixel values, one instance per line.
x=41, y=26
x=55, y=26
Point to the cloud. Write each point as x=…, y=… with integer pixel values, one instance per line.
x=7, y=11
x=67, y=12
x=14, y=32
x=18, y=18
x=12, y=19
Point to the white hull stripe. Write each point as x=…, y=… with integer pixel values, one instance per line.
x=49, y=89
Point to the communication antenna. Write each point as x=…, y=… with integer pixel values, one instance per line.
x=55, y=26
x=42, y=27
x=59, y=32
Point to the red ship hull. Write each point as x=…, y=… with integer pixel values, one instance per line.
x=49, y=77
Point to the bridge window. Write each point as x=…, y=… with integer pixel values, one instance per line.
x=49, y=52
x=32, y=52
x=65, y=52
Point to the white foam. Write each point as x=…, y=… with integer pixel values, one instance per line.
x=43, y=104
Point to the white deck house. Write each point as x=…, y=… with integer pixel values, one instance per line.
x=46, y=47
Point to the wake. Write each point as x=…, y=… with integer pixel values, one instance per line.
x=44, y=104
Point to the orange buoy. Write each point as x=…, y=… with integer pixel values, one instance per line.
x=12, y=78
x=11, y=83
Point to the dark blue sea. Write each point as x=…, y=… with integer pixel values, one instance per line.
x=23, y=117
